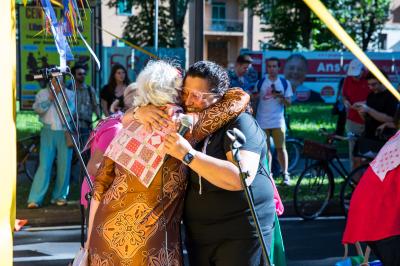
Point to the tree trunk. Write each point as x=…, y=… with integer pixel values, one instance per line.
x=305, y=24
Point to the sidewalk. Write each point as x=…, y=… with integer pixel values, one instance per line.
x=52, y=215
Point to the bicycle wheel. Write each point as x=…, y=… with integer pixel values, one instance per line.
x=32, y=161
x=349, y=186
x=28, y=156
x=313, y=190
x=293, y=147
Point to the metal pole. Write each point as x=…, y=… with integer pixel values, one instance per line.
x=156, y=26
x=199, y=30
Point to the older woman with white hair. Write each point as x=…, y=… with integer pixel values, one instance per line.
x=138, y=194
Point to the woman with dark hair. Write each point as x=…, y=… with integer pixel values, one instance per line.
x=114, y=89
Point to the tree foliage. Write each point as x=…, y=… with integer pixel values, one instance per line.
x=139, y=28
x=294, y=26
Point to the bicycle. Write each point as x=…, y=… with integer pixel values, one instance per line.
x=315, y=186
x=294, y=147
x=355, y=176
x=28, y=156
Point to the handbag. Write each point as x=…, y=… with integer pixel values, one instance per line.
x=81, y=258
x=68, y=140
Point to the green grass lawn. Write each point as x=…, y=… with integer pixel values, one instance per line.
x=307, y=118
x=28, y=124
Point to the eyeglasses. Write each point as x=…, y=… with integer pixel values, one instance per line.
x=81, y=74
x=197, y=95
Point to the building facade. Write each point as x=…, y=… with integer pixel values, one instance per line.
x=228, y=28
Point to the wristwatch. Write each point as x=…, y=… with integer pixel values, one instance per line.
x=188, y=158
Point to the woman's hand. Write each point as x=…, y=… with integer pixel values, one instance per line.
x=150, y=116
x=176, y=145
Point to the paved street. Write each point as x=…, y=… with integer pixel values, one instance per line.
x=315, y=243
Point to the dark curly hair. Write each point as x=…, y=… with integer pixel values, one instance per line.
x=216, y=75
x=76, y=67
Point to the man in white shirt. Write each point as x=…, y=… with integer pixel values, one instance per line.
x=274, y=94
x=52, y=144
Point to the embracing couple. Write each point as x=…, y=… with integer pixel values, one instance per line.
x=136, y=221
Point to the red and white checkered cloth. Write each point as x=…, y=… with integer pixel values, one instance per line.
x=140, y=152
x=388, y=157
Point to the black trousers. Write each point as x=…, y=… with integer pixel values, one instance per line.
x=341, y=123
x=242, y=252
x=387, y=250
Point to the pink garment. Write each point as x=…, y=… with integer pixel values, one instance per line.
x=277, y=199
x=102, y=137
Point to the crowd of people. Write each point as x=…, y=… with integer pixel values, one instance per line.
x=147, y=177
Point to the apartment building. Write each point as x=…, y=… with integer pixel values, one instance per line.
x=389, y=38
x=227, y=29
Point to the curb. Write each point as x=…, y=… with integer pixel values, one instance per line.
x=51, y=215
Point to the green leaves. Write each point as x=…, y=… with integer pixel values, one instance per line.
x=294, y=27
x=139, y=28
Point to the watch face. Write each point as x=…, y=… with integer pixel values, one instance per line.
x=188, y=158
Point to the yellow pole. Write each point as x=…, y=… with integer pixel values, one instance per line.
x=8, y=132
x=320, y=10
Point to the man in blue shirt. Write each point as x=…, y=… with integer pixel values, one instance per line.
x=238, y=76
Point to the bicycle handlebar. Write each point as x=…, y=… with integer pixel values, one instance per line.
x=333, y=136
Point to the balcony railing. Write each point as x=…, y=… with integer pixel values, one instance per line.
x=229, y=25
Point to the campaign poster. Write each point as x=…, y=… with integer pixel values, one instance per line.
x=315, y=76
x=37, y=51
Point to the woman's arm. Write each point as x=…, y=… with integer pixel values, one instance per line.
x=94, y=205
x=95, y=161
x=208, y=121
x=103, y=104
x=103, y=180
x=233, y=103
x=221, y=173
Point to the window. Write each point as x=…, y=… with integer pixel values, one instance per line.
x=218, y=11
x=123, y=8
x=382, y=41
x=218, y=16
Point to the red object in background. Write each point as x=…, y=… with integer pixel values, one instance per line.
x=257, y=61
x=19, y=223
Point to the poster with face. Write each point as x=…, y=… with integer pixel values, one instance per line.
x=315, y=76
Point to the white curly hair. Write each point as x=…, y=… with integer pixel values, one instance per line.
x=159, y=83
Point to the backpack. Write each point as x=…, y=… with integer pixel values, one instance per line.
x=283, y=80
x=285, y=86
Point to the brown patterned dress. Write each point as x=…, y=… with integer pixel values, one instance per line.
x=135, y=225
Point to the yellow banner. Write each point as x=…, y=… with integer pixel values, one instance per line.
x=8, y=133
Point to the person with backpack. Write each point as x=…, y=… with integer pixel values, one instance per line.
x=274, y=95
x=87, y=102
